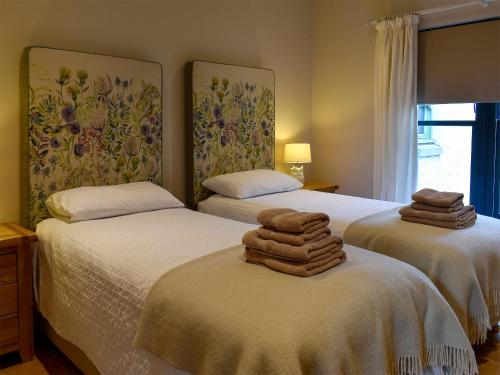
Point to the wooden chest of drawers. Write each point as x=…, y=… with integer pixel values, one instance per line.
x=16, y=301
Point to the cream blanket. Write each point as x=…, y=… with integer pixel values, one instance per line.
x=371, y=315
x=464, y=265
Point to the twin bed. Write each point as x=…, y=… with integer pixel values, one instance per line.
x=464, y=265
x=374, y=314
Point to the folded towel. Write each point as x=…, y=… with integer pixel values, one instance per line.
x=296, y=268
x=464, y=214
x=443, y=224
x=427, y=207
x=314, y=259
x=437, y=198
x=288, y=220
x=305, y=252
x=294, y=239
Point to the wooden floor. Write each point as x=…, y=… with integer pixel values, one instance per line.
x=50, y=361
x=488, y=355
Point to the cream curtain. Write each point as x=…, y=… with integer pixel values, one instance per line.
x=395, y=99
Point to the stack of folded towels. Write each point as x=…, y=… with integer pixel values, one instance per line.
x=297, y=243
x=439, y=208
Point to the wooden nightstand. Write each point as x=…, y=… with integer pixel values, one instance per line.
x=16, y=290
x=325, y=187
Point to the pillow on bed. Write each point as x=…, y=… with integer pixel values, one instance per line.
x=251, y=183
x=95, y=202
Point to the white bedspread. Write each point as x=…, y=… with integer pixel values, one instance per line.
x=342, y=209
x=95, y=276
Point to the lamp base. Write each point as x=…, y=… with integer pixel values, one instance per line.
x=297, y=171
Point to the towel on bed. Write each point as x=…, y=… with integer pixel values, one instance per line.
x=464, y=265
x=295, y=239
x=462, y=224
x=427, y=207
x=464, y=214
x=314, y=266
x=436, y=198
x=305, y=252
x=462, y=219
x=288, y=220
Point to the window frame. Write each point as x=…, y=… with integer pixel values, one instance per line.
x=485, y=156
x=496, y=194
x=447, y=122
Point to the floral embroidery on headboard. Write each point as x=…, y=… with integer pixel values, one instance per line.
x=93, y=120
x=231, y=110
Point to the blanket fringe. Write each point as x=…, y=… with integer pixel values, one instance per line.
x=478, y=326
x=454, y=361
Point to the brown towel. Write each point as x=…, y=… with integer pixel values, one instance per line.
x=314, y=259
x=436, y=198
x=464, y=214
x=288, y=220
x=293, y=239
x=427, y=207
x=442, y=224
x=305, y=252
x=296, y=268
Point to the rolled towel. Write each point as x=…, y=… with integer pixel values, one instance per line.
x=426, y=207
x=294, y=239
x=443, y=224
x=288, y=220
x=464, y=214
x=296, y=268
x=305, y=252
x=436, y=198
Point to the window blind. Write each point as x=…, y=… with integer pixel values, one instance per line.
x=459, y=64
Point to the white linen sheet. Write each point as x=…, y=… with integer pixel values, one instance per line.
x=95, y=276
x=342, y=209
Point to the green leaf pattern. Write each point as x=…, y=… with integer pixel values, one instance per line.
x=86, y=130
x=233, y=129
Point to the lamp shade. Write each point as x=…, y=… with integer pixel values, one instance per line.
x=299, y=153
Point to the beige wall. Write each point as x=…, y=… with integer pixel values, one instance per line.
x=343, y=86
x=274, y=34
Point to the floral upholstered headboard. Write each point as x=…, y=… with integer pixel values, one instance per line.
x=89, y=120
x=230, y=122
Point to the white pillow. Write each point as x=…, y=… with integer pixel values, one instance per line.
x=251, y=183
x=95, y=202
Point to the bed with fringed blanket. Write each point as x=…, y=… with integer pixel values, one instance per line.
x=370, y=315
x=463, y=264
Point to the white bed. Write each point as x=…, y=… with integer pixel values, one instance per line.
x=437, y=252
x=94, y=277
x=342, y=209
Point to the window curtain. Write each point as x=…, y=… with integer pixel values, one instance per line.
x=395, y=99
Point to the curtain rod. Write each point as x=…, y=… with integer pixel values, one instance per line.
x=423, y=12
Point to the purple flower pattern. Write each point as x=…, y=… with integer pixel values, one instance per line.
x=82, y=131
x=233, y=128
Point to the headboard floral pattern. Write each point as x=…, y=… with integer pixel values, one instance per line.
x=230, y=122
x=92, y=120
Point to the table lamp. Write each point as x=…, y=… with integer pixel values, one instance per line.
x=297, y=154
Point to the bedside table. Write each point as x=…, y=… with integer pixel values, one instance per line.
x=325, y=187
x=16, y=290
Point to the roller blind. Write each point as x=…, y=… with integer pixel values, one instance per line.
x=459, y=64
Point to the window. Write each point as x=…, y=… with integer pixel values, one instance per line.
x=445, y=146
x=459, y=150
